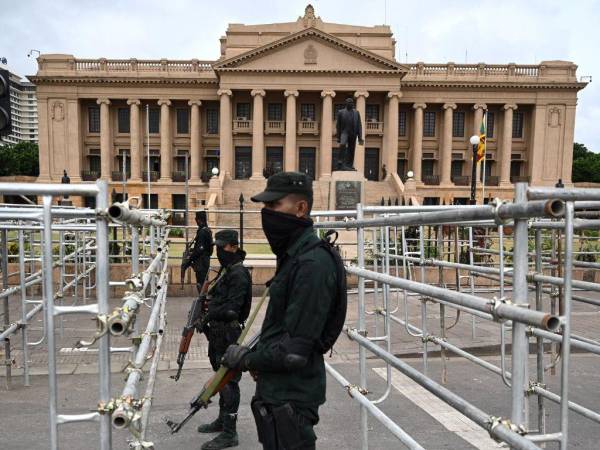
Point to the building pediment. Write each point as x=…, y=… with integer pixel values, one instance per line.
x=310, y=50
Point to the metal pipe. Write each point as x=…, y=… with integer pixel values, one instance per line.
x=548, y=208
x=47, y=189
x=6, y=309
x=24, y=331
x=572, y=194
x=499, y=309
x=362, y=356
x=496, y=429
x=585, y=412
x=102, y=279
x=121, y=212
x=355, y=393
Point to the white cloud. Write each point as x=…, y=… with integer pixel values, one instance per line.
x=523, y=31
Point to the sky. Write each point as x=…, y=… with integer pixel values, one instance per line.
x=433, y=31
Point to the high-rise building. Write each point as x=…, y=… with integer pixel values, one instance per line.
x=23, y=105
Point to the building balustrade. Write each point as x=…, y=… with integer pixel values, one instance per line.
x=374, y=128
x=274, y=127
x=242, y=126
x=308, y=127
x=154, y=176
x=90, y=175
x=461, y=180
x=431, y=180
x=178, y=176
x=492, y=181
x=118, y=175
x=519, y=179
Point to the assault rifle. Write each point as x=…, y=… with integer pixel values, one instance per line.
x=196, y=320
x=221, y=377
x=186, y=259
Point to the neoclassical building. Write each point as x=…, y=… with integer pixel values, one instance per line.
x=269, y=103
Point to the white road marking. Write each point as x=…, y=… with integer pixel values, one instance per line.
x=451, y=419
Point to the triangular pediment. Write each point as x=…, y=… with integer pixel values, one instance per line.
x=310, y=50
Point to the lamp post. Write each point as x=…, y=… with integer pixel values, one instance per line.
x=474, y=140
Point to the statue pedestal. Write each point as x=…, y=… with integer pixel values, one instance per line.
x=346, y=189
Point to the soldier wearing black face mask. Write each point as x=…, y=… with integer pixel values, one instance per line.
x=289, y=367
x=228, y=296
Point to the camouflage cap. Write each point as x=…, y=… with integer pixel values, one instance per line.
x=284, y=183
x=225, y=237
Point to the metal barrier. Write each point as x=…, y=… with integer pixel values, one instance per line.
x=82, y=235
x=401, y=254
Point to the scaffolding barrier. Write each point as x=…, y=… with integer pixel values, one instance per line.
x=66, y=250
x=467, y=245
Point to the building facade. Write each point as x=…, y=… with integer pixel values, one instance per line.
x=23, y=106
x=269, y=103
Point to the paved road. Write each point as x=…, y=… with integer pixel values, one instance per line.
x=23, y=411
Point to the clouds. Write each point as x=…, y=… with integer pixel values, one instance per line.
x=434, y=31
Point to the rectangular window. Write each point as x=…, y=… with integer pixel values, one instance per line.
x=274, y=111
x=458, y=124
x=242, y=111
x=490, y=125
x=307, y=111
x=517, y=131
x=123, y=120
x=402, y=123
x=372, y=113
x=212, y=121
x=429, y=124
x=94, y=163
x=154, y=120
x=427, y=167
x=515, y=168
x=183, y=121
x=94, y=119
x=456, y=168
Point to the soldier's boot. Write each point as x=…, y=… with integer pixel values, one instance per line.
x=227, y=438
x=214, y=427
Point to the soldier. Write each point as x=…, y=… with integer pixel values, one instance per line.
x=229, y=298
x=288, y=360
x=202, y=251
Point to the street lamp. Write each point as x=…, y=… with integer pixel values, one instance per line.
x=410, y=174
x=474, y=140
x=215, y=171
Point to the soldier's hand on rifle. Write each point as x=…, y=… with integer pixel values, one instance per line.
x=235, y=357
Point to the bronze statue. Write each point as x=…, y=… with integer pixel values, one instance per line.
x=65, y=180
x=348, y=129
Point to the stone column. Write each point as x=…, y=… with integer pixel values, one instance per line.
x=166, y=152
x=325, y=149
x=135, y=146
x=74, y=147
x=195, y=141
x=290, y=160
x=105, y=139
x=44, y=141
x=390, y=134
x=258, y=135
x=417, y=146
x=446, y=156
x=479, y=108
x=225, y=136
x=359, y=158
x=506, y=149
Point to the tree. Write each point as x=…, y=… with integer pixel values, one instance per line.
x=19, y=159
x=586, y=165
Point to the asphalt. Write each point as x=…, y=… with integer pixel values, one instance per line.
x=24, y=410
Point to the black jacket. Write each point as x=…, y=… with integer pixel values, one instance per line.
x=203, y=248
x=230, y=291
x=348, y=125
